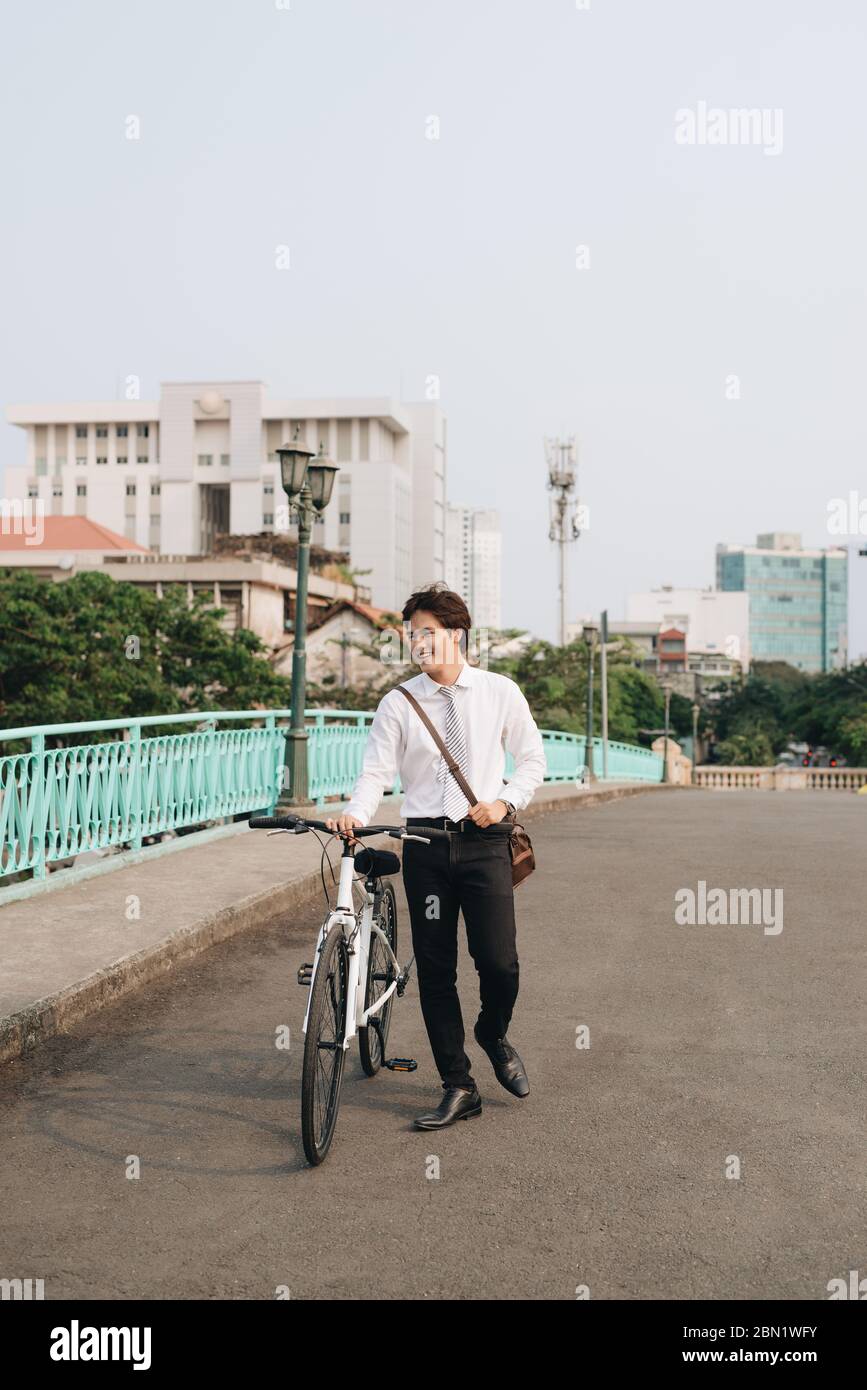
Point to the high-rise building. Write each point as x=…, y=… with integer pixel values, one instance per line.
x=473, y=561
x=798, y=599
x=170, y=474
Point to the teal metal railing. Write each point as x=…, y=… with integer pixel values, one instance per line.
x=56, y=803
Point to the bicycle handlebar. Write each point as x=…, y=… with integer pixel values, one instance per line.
x=299, y=824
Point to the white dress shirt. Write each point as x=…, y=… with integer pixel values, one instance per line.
x=496, y=718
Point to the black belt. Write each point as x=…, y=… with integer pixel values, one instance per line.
x=456, y=827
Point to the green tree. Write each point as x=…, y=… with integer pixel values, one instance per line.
x=95, y=648
x=746, y=750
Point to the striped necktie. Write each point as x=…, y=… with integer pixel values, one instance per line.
x=455, y=804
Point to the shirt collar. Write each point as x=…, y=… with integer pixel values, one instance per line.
x=464, y=678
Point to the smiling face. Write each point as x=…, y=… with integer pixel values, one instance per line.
x=433, y=646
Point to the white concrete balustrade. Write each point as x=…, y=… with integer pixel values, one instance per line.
x=782, y=779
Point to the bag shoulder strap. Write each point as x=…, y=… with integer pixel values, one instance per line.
x=452, y=765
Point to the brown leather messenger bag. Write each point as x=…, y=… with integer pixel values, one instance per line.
x=520, y=848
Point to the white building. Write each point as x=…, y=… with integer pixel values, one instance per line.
x=473, y=561
x=716, y=623
x=169, y=474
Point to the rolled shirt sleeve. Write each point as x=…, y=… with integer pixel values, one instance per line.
x=523, y=740
x=381, y=759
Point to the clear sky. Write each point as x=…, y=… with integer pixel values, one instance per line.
x=304, y=123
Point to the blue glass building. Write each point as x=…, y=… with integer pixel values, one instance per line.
x=798, y=599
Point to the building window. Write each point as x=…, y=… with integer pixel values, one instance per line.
x=224, y=460
x=206, y=460
x=141, y=458
x=41, y=467
x=81, y=463
x=344, y=518
x=102, y=431
x=268, y=519
x=268, y=489
x=130, y=489
x=155, y=489
x=81, y=431
x=57, y=492
x=33, y=490
x=143, y=431
x=344, y=440
x=101, y=458
x=81, y=489
x=122, y=431
x=364, y=438
x=122, y=458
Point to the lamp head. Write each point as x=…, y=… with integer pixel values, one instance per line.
x=321, y=473
x=294, y=460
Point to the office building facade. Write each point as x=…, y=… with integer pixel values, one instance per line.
x=798, y=599
x=716, y=624
x=172, y=474
x=474, y=562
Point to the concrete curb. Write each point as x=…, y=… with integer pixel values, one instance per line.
x=24, y=1030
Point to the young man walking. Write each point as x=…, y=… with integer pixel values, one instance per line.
x=478, y=714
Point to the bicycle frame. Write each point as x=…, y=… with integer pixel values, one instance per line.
x=357, y=928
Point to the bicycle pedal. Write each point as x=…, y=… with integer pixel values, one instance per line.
x=400, y=1063
x=305, y=973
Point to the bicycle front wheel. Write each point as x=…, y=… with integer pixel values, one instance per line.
x=324, y=1054
x=372, y=1040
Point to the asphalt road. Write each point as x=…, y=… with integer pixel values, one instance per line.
x=708, y=1043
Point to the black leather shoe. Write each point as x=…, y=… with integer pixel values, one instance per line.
x=508, y=1067
x=456, y=1104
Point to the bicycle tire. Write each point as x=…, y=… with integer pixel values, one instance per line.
x=372, y=1040
x=327, y=1015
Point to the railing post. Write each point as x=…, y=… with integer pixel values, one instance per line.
x=136, y=793
x=37, y=750
x=271, y=725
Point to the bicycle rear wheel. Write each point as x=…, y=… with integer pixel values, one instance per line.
x=324, y=1054
x=372, y=1040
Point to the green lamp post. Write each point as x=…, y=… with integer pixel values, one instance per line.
x=591, y=632
x=308, y=481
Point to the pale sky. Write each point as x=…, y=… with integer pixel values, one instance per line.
x=263, y=124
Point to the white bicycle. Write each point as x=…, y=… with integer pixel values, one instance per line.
x=355, y=958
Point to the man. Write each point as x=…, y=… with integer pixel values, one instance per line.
x=477, y=714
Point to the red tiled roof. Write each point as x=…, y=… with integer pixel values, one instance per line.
x=67, y=533
x=376, y=615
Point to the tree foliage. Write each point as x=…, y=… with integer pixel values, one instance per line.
x=781, y=705
x=95, y=648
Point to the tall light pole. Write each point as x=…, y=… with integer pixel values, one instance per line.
x=603, y=682
x=308, y=486
x=562, y=475
x=666, y=690
x=590, y=631
x=695, y=710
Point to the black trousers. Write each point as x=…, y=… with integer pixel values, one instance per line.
x=471, y=873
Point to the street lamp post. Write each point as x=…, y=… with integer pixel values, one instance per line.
x=695, y=711
x=590, y=631
x=346, y=639
x=667, y=692
x=603, y=688
x=308, y=486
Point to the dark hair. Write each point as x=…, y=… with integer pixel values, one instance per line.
x=444, y=603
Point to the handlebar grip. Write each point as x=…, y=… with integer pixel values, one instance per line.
x=272, y=822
